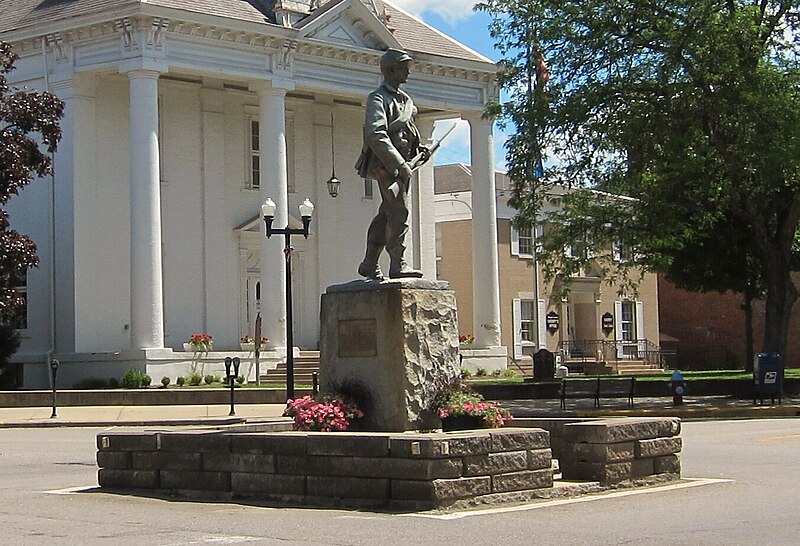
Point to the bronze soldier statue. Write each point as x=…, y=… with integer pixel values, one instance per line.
x=391, y=152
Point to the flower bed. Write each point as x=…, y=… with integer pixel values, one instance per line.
x=325, y=416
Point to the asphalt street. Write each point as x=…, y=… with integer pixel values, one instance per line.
x=741, y=488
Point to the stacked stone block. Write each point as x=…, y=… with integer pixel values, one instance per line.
x=351, y=469
x=618, y=451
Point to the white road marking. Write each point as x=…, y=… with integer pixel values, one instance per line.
x=218, y=540
x=685, y=483
x=72, y=490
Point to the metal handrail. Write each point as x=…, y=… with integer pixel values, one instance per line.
x=597, y=350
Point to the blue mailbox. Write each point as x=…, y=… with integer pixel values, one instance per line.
x=768, y=377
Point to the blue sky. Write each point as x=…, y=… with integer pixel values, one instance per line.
x=457, y=19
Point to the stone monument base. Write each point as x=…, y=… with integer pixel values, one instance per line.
x=389, y=345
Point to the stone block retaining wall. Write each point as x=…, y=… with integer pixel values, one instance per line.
x=614, y=451
x=353, y=469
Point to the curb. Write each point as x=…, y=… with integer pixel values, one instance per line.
x=755, y=412
x=55, y=423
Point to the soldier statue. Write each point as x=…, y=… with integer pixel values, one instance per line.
x=391, y=152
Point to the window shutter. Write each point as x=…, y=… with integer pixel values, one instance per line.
x=538, y=233
x=640, y=325
x=617, y=323
x=514, y=241
x=517, y=317
x=541, y=324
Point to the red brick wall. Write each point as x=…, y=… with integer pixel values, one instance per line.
x=710, y=327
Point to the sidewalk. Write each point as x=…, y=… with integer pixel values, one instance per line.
x=90, y=416
x=709, y=407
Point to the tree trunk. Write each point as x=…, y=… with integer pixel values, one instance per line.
x=748, y=330
x=781, y=295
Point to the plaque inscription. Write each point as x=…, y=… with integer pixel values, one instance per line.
x=358, y=338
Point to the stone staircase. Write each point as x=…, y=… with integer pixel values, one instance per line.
x=305, y=364
x=634, y=367
x=524, y=367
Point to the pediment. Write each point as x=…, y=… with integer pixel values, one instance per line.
x=350, y=23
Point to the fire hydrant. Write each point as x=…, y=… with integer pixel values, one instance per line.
x=677, y=385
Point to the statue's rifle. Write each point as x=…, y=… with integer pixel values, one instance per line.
x=421, y=158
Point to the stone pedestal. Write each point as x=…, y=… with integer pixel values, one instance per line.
x=389, y=344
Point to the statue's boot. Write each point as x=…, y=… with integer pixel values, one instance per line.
x=398, y=268
x=369, y=268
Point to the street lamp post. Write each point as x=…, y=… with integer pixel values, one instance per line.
x=268, y=212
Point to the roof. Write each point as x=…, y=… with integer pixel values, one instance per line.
x=457, y=177
x=414, y=34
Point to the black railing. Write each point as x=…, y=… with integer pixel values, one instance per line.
x=602, y=350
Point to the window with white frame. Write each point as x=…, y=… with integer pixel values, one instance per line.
x=527, y=316
x=622, y=252
x=522, y=241
x=527, y=320
x=254, y=154
x=255, y=165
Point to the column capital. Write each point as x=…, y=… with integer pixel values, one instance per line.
x=476, y=118
x=141, y=67
x=274, y=86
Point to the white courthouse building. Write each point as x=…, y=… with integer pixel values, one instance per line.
x=182, y=117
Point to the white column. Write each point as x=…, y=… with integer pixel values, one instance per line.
x=486, y=279
x=220, y=262
x=147, y=301
x=274, y=184
x=424, y=210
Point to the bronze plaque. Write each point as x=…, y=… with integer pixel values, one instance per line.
x=358, y=338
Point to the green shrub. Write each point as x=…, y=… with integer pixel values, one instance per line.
x=209, y=379
x=240, y=380
x=497, y=373
x=481, y=372
x=91, y=383
x=509, y=373
x=146, y=380
x=181, y=381
x=165, y=381
x=194, y=378
x=466, y=373
x=132, y=379
x=9, y=343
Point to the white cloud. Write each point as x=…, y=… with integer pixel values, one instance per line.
x=451, y=11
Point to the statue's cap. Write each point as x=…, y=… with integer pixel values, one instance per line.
x=393, y=56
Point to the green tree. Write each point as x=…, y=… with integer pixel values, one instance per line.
x=690, y=107
x=22, y=114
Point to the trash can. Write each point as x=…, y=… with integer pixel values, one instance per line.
x=768, y=377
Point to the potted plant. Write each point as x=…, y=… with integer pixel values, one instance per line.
x=467, y=339
x=461, y=408
x=325, y=416
x=247, y=342
x=199, y=343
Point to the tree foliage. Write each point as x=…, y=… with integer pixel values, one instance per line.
x=690, y=107
x=22, y=114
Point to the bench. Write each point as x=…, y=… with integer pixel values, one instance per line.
x=597, y=389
